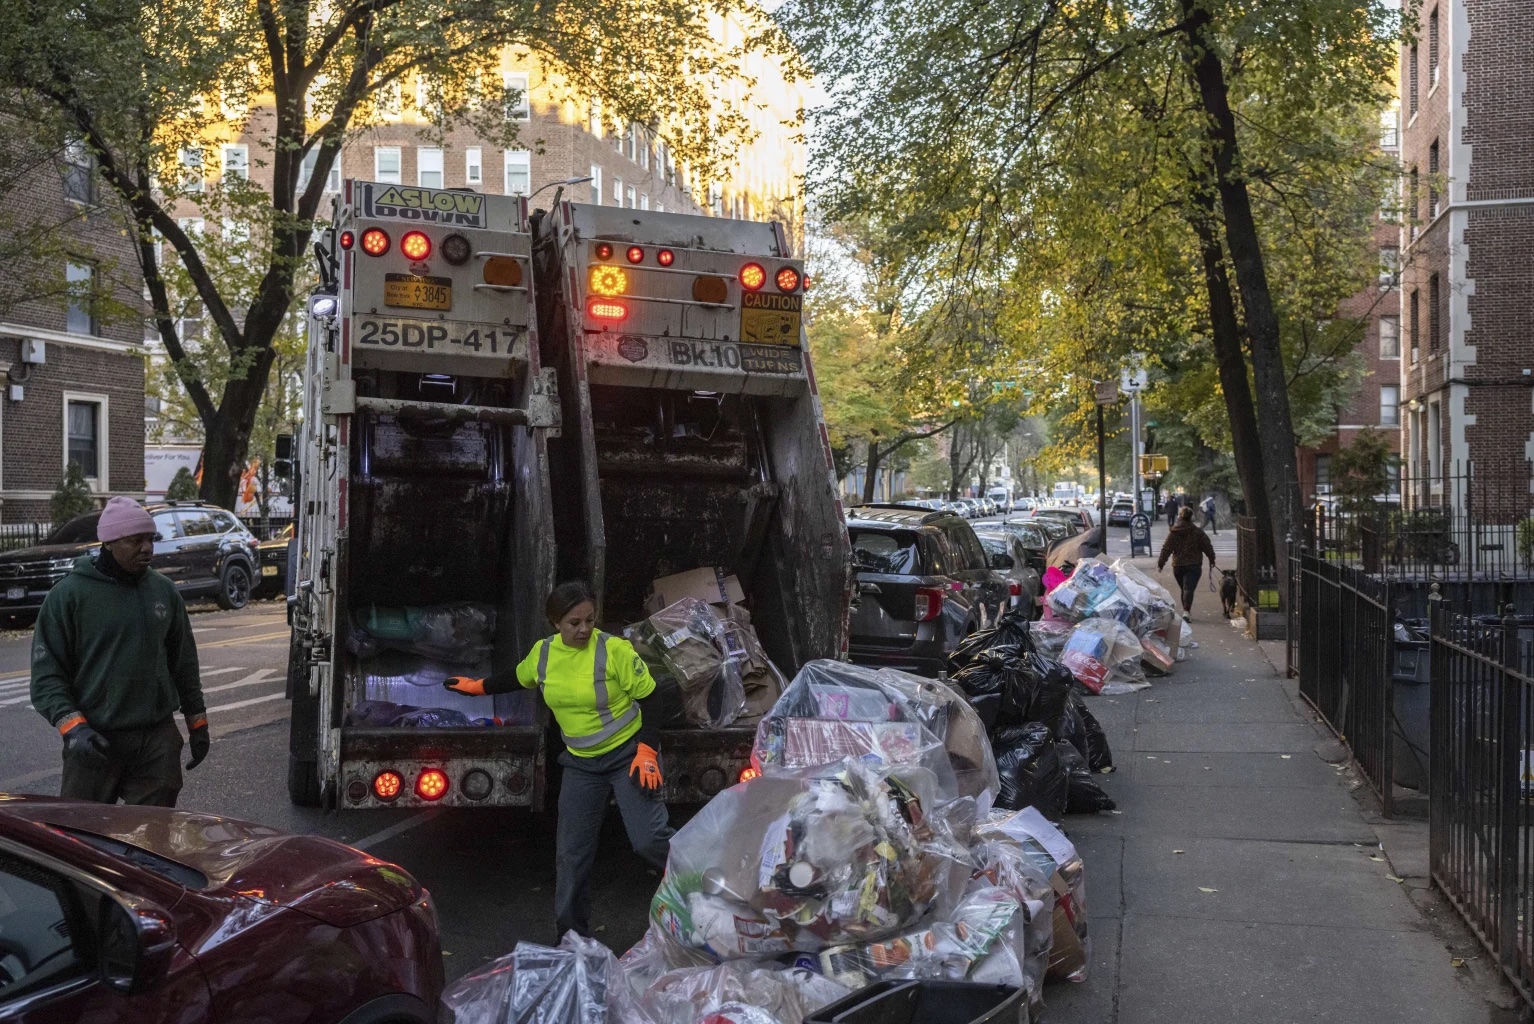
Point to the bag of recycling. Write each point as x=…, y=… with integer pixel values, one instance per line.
x=1085, y=733
x=1050, y=636
x=1021, y=957
x=580, y=982
x=1160, y=608
x=741, y=992
x=1082, y=793
x=1010, y=632
x=460, y=633
x=1045, y=846
x=1075, y=599
x=1031, y=773
x=833, y=710
x=1103, y=652
x=687, y=642
x=840, y=854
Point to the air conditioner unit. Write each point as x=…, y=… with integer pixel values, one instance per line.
x=34, y=350
x=15, y=392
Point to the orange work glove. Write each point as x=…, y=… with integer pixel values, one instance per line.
x=646, y=762
x=465, y=685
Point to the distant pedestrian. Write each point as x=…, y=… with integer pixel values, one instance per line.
x=1171, y=509
x=113, y=659
x=1209, y=520
x=1187, y=546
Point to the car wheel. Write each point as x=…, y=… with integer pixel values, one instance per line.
x=234, y=587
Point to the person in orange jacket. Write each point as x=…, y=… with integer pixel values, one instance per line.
x=596, y=685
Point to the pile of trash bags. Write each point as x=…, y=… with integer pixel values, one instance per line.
x=1110, y=625
x=710, y=658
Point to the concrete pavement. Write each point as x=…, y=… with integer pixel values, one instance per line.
x=1243, y=878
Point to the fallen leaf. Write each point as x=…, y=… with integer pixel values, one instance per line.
x=1286, y=756
x=1376, y=857
x=1179, y=851
x=1395, y=878
x=447, y=952
x=1458, y=961
x=1203, y=889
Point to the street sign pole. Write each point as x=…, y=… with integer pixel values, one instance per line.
x=1107, y=392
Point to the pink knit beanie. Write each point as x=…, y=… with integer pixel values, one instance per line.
x=123, y=517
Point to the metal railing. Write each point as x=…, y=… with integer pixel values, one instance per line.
x=1344, y=622
x=14, y=536
x=1480, y=850
x=1255, y=573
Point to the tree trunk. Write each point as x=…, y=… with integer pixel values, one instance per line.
x=871, y=471
x=1276, y=436
x=226, y=436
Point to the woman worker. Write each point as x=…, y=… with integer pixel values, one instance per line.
x=597, y=688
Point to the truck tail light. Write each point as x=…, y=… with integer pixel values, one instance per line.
x=665, y=257
x=348, y=239
x=607, y=280
x=375, y=241
x=415, y=245
x=387, y=784
x=748, y=773
x=606, y=309
x=604, y=251
x=477, y=784
x=752, y=277
x=456, y=250
x=787, y=279
x=635, y=254
x=431, y=784
x=929, y=603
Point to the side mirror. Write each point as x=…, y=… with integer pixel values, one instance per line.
x=137, y=941
x=1002, y=562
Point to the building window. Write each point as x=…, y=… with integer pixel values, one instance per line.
x=390, y=100
x=659, y=208
x=617, y=191
x=630, y=142
x=1390, y=134
x=643, y=142
x=1390, y=405
x=79, y=173
x=594, y=117
x=1432, y=48
x=191, y=170
x=83, y=420
x=518, y=108
x=596, y=185
x=428, y=166
x=644, y=201
x=1392, y=477
x=519, y=172
x=386, y=164
x=1390, y=266
x=1390, y=337
x=1411, y=76
x=1434, y=439
x=628, y=197
x=189, y=324
x=1413, y=190
x=1432, y=180
x=473, y=166
x=306, y=172
x=1323, y=474
x=1434, y=319
x=237, y=162
x=1413, y=334
x=80, y=316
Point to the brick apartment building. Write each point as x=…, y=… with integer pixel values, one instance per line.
x=71, y=356
x=1467, y=108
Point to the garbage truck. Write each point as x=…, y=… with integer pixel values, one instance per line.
x=445, y=482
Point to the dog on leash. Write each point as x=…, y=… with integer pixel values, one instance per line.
x=1228, y=592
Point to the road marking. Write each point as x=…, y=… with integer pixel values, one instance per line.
x=258, y=676
x=221, y=671
x=7, y=690
x=248, y=703
x=395, y=829
x=244, y=640
x=16, y=700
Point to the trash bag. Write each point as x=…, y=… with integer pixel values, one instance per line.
x=999, y=686
x=785, y=995
x=1050, y=693
x=833, y=710
x=1021, y=957
x=690, y=644
x=1031, y=773
x=580, y=982
x=382, y=714
x=1083, y=795
x=1102, y=651
x=841, y=854
x=1081, y=728
x=1050, y=636
x=1011, y=632
x=416, y=681
x=460, y=633
x=1045, y=846
x=1077, y=598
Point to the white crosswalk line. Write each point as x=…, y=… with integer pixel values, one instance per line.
x=246, y=703
x=221, y=671
x=16, y=700
x=20, y=691
x=258, y=676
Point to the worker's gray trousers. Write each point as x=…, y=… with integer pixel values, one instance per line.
x=584, y=786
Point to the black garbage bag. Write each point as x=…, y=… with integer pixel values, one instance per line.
x=1086, y=734
x=1083, y=795
x=1010, y=633
x=1000, y=684
x=1031, y=772
x=1050, y=691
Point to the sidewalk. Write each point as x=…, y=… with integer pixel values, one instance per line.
x=1242, y=879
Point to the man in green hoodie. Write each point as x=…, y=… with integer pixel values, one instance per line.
x=113, y=659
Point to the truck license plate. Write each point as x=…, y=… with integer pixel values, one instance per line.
x=268, y=570
x=411, y=292
x=453, y=336
x=15, y=593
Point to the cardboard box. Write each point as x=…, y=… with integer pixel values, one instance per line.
x=710, y=584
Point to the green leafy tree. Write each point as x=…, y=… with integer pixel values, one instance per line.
x=73, y=498
x=1361, y=471
x=143, y=84
x=183, y=486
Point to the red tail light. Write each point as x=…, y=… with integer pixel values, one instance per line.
x=387, y=784
x=604, y=251
x=665, y=257
x=929, y=603
x=375, y=241
x=747, y=774
x=415, y=245
x=752, y=277
x=788, y=279
x=1017, y=588
x=634, y=254
x=431, y=785
x=606, y=309
x=347, y=239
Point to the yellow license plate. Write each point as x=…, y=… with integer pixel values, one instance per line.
x=268, y=570
x=411, y=292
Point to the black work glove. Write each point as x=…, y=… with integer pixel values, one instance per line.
x=87, y=746
x=199, y=740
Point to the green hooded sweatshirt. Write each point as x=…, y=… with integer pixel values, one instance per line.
x=119, y=653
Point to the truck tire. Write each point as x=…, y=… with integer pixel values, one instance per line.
x=233, y=586
x=303, y=734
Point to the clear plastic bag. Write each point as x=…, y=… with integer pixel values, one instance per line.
x=833, y=710
x=580, y=982
x=947, y=948
x=1047, y=848
x=1075, y=599
x=1050, y=636
x=687, y=642
x=786, y=995
x=839, y=854
x=1103, y=651
x=460, y=633
x=1021, y=958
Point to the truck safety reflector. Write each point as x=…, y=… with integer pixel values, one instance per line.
x=375, y=241
x=415, y=245
x=709, y=288
x=606, y=309
x=608, y=280
x=752, y=277
x=503, y=271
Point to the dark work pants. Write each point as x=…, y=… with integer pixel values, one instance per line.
x=583, y=790
x=144, y=768
x=1209, y=523
x=1187, y=580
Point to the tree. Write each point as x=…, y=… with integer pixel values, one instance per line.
x=1361, y=471
x=145, y=85
x=183, y=486
x=73, y=498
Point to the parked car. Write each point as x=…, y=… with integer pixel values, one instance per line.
x=148, y=914
x=204, y=550
x=1078, y=517
x=1122, y=511
x=924, y=583
x=1025, y=581
x=1070, y=543
x=1002, y=500
x=272, y=564
x=1031, y=534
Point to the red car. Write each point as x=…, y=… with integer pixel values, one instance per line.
x=144, y=914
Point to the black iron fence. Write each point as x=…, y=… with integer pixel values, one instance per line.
x=1255, y=573
x=1480, y=849
x=1342, y=620
x=14, y=536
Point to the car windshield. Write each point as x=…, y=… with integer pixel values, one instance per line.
x=80, y=530
x=994, y=543
x=887, y=552
x=1054, y=529
x=1029, y=535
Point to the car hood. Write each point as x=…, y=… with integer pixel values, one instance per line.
x=38, y=552
x=317, y=876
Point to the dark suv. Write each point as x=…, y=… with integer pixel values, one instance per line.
x=924, y=584
x=204, y=550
